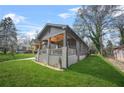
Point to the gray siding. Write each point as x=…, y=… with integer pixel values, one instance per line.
x=52, y=32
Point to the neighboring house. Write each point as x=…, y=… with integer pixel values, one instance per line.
x=119, y=53
x=21, y=48
x=60, y=47
x=24, y=48
x=35, y=45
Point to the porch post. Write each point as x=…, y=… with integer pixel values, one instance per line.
x=65, y=39
x=78, y=49
x=38, y=52
x=48, y=50
x=39, y=45
x=65, y=50
x=48, y=43
x=38, y=55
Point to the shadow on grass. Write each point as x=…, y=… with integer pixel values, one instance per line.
x=97, y=67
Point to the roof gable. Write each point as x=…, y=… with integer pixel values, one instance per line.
x=60, y=26
x=47, y=26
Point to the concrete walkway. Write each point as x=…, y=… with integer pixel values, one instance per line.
x=31, y=58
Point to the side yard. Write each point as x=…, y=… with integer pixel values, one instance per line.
x=92, y=71
x=7, y=57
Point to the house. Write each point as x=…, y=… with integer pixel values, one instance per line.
x=60, y=46
x=23, y=46
x=35, y=45
x=119, y=53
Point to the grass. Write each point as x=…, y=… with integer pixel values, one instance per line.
x=8, y=56
x=92, y=71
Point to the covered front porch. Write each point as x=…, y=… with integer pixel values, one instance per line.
x=60, y=46
x=60, y=50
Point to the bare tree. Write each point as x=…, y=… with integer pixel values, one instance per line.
x=119, y=25
x=95, y=19
x=78, y=27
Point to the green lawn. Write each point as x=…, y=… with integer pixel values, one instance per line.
x=92, y=71
x=7, y=57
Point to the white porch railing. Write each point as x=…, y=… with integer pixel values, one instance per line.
x=56, y=51
x=71, y=51
x=43, y=51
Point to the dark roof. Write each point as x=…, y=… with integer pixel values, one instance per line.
x=61, y=26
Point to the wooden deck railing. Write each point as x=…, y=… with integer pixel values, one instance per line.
x=43, y=51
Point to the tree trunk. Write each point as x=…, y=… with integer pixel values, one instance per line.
x=122, y=36
x=5, y=51
x=101, y=45
x=121, y=30
x=12, y=50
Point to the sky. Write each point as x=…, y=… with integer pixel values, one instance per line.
x=31, y=19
